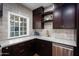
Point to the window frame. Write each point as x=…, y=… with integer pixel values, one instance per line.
x=20, y=16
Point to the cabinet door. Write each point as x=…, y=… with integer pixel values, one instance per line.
x=7, y=51
x=65, y=52
x=29, y=48
x=19, y=49
x=54, y=51
x=38, y=11
x=38, y=18
x=69, y=16
x=57, y=23
x=37, y=22
x=59, y=50
x=44, y=48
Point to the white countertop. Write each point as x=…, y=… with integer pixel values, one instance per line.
x=52, y=39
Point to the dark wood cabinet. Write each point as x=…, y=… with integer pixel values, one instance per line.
x=29, y=48
x=44, y=48
x=38, y=18
x=57, y=23
x=64, y=17
x=37, y=22
x=1, y=9
x=69, y=16
x=7, y=51
x=14, y=50
x=38, y=11
x=20, y=49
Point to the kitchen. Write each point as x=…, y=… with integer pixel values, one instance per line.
x=39, y=29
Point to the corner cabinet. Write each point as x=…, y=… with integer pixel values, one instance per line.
x=43, y=48
x=29, y=48
x=64, y=17
x=38, y=18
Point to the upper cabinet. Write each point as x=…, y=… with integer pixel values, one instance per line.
x=69, y=16
x=57, y=18
x=38, y=18
x=1, y=9
x=64, y=17
x=39, y=11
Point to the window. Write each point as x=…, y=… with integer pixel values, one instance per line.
x=18, y=25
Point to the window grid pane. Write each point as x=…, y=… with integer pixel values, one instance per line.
x=16, y=33
x=22, y=26
x=11, y=34
x=17, y=26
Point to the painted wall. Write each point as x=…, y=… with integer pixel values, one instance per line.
x=18, y=9
x=0, y=28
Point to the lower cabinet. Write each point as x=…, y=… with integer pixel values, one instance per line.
x=20, y=49
x=37, y=47
x=7, y=51
x=43, y=48
x=62, y=50
x=29, y=48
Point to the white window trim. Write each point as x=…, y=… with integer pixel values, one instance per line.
x=9, y=25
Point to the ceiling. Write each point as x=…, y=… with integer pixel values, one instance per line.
x=36, y=5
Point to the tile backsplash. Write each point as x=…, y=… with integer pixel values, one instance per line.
x=68, y=34
x=65, y=34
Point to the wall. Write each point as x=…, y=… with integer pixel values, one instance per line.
x=16, y=8
x=0, y=28
x=66, y=34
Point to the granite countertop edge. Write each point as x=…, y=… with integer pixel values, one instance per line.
x=52, y=39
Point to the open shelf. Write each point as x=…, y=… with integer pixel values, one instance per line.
x=47, y=13
x=47, y=21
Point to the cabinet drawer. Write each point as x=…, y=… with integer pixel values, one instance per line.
x=6, y=51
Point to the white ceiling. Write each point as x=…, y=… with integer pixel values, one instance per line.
x=36, y=5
